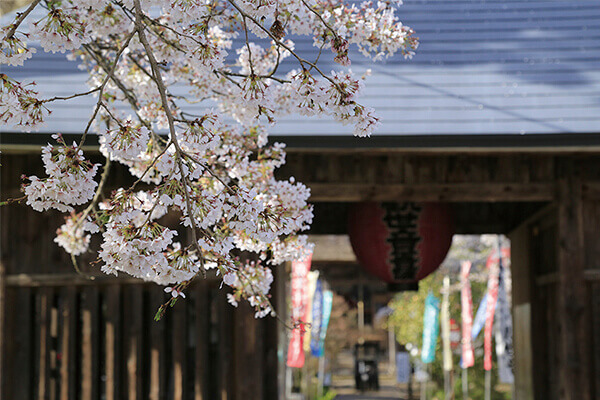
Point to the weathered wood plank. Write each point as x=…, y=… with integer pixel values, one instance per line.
x=202, y=330
x=591, y=191
x=270, y=336
x=112, y=321
x=575, y=343
x=89, y=344
x=225, y=342
x=68, y=330
x=42, y=322
x=157, y=347
x=53, y=351
x=247, y=355
x=3, y=311
x=133, y=314
x=465, y=192
x=591, y=231
x=179, y=326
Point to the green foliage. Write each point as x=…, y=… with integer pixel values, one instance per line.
x=328, y=395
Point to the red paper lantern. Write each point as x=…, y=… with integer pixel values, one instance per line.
x=401, y=243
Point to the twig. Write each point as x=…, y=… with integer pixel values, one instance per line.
x=21, y=18
x=301, y=60
x=109, y=74
x=71, y=96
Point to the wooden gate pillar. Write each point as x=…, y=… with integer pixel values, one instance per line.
x=573, y=298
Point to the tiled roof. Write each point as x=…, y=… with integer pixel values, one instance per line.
x=483, y=67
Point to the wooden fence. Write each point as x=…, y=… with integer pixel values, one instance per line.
x=65, y=337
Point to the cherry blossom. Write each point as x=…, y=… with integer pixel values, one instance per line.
x=185, y=92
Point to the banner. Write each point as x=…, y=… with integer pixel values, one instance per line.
x=479, y=320
x=504, y=331
x=445, y=320
x=298, y=286
x=327, y=304
x=430, y=328
x=468, y=358
x=313, y=276
x=317, y=320
x=492, y=297
x=295, y=358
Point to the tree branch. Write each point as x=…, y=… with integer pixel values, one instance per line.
x=20, y=19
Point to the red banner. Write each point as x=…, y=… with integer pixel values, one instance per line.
x=299, y=294
x=489, y=313
x=466, y=315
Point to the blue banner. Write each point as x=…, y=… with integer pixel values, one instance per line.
x=504, y=332
x=317, y=320
x=327, y=303
x=479, y=320
x=430, y=328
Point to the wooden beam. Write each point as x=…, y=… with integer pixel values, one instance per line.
x=72, y=279
x=459, y=192
x=574, y=340
x=48, y=280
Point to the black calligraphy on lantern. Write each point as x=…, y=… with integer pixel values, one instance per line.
x=402, y=222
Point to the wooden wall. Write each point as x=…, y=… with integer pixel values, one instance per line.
x=561, y=284
x=99, y=341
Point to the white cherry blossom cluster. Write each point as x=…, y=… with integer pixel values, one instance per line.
x=124, y=143
x=252, y=282
x=72, y=235
x=60, y=30
x=14, y=50
x=185, y=92
x=70, y=181
x=133, y=242
x=19, y=105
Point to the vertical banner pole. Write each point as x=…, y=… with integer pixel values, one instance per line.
x=447, y=352
x=488, y=384
x=361, y=311
x=321, y=375
x=465, y=384
x=424, y=384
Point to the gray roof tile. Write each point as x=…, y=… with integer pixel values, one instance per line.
x=483, y=67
